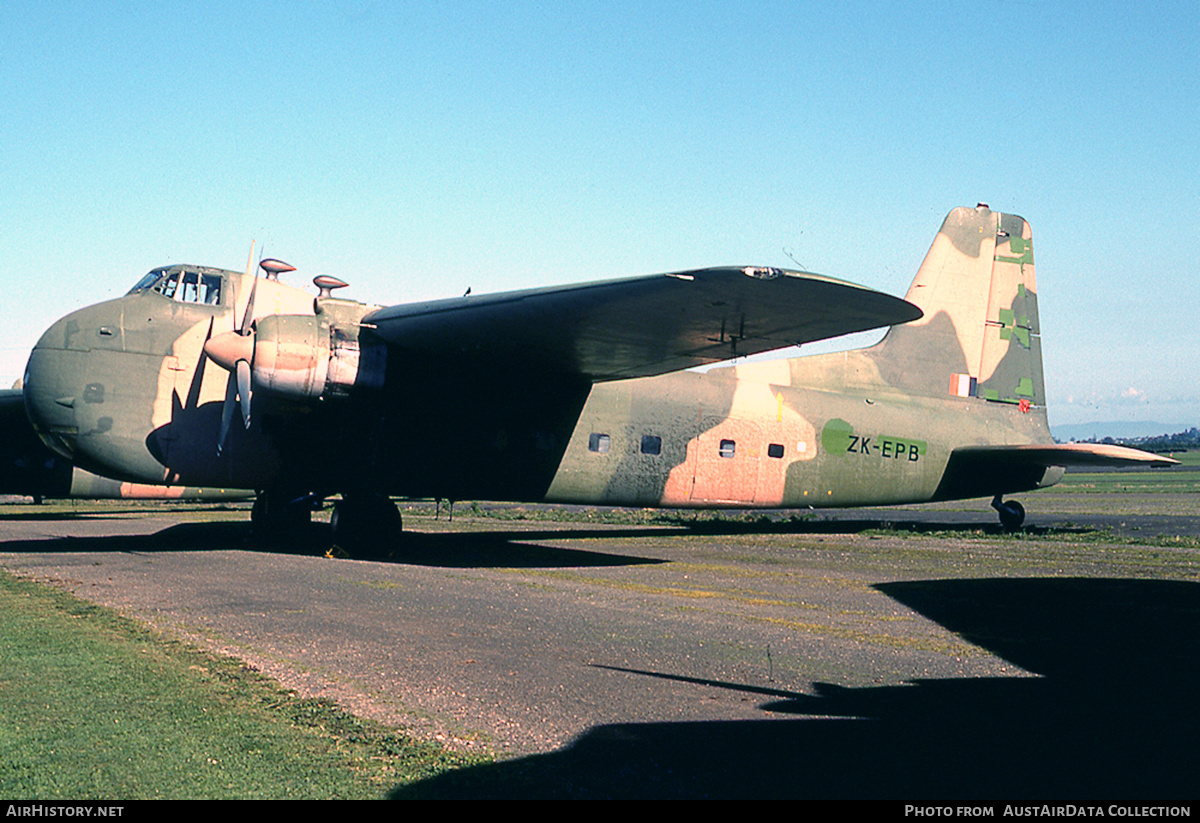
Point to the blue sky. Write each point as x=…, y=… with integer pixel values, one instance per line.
x=416, y=149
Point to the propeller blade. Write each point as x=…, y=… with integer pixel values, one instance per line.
x=250, y=259
x=251, y=270
x=243, y=389
x=227, y=411
x=248, y=317
x=233, y=351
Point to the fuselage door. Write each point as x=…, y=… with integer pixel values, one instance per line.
x=726, y=460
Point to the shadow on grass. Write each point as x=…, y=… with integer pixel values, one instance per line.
x=1112, y=715
x=863, y=524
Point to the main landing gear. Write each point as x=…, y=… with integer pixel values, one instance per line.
x=282, y=518
x=366, y=524
x=1012, y=513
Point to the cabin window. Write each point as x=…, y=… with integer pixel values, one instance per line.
x=599, y=443
x=727, y=449
x=651, y=444
x=775, y=450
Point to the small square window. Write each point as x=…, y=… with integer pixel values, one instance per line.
x=651, y=444
x=775, y=450
x=598, y=443
x=727, y=448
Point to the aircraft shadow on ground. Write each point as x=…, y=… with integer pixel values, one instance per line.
x=522, y=548
x=50, y=516
x=498, y=548
x=1112, y=714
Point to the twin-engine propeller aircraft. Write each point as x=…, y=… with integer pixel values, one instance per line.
x=207, y=377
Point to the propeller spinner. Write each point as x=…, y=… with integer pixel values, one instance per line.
x=234, y=351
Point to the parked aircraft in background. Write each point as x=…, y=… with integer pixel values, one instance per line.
x=208, y=377
x=28, y=468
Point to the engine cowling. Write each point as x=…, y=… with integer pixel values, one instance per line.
x=291, y=355
x=308, y=357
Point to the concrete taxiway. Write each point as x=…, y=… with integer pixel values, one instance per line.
x=826, y=657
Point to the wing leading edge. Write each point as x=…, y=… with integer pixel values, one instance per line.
x=640, y=326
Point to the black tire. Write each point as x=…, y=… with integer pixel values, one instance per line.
x=282, y=520
x=366, y=526
x=1012, y=515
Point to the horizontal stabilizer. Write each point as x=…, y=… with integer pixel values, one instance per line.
x=637, y=327
x=1068, y=455
x=979, y=471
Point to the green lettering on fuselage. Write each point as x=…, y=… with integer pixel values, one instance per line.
x=838, y=437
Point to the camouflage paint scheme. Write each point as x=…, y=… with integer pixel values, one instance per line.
x=862, y=427
x=865, y=427
x=570, y=394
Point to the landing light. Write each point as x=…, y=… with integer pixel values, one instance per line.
x=762, y=272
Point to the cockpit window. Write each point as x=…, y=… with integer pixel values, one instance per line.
x=197, y=287
x=147, y=281
x=184, y=285
x=168, y=285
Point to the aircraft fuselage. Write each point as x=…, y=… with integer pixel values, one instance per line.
x=124, y=389
x=744, y=436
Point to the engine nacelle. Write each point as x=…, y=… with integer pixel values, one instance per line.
x=310, y=357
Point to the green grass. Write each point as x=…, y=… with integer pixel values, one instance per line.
x=96, y=706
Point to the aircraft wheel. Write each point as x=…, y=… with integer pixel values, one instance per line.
x=366, y=526
x=1012, y=513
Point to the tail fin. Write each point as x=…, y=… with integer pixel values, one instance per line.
x=980, y=335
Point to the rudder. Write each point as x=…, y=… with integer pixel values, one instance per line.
x=980, y=335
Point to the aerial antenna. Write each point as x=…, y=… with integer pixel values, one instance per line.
x=792, y=257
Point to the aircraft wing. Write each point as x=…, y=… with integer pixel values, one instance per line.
x=1067, y=455
x=19, y=437
x=640, y=326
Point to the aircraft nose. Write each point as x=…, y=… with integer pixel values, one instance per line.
x=49, y=397
x=91, y=397
x=60, y=379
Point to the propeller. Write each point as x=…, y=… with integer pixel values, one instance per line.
x=234, y=350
